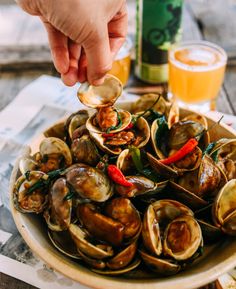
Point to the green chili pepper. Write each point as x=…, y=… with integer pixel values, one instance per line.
x=209, y=148
x=136, y=158
x=161, y=133
x=69, y=196
x=27, y=175
x=214, y=156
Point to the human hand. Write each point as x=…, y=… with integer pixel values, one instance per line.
x=84, y=35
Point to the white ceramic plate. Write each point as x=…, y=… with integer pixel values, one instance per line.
x=33, y=230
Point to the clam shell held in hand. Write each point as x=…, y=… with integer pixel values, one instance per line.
x=102, y=95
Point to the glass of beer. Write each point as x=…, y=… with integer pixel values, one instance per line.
x=121, y=64
x=196, y=72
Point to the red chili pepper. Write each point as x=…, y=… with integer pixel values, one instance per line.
x=106, y=135
x=117, y=176
x=182, y=152
x=129, y=126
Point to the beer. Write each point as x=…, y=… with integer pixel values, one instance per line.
x=157, y=28
x=196, y=71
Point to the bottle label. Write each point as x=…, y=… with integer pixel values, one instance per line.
x=158, y=27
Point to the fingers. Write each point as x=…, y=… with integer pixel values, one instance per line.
x=71, y=76
x=98, y=55
x=59, y=47
x=82, y=69
x=117, y=29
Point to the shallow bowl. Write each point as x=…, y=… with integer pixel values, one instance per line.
x=216, y=263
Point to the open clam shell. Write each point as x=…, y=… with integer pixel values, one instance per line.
x=63, y=242
x=141, y=129
x=179, y=193
x=124, y=162
x=204, y=181
x=147, y=100
x=27, y=164
x=182, y=238
x=34, y=202
x=161, y=266
x=53, y=145
x=140, y=186
x=211, y=234
x=163, y=107
x=58, y=213
x=76, y=120
x=224, y=208
x=202, y=120
x=102, y=95
x=125, y=117
x=151, y=232
x=123, y=258
x=80, y=238
x=121, y=271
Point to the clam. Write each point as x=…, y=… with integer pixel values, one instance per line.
x=100, y=226
x=170, y=230
x=182, y=238
x=198, y=118
x=123, y=258
x=124, y=162
x=27, y=164
x=164, y=267
x=204, y=181
x=54, y=153
x=106, y=122
x=138, y=136
x=182, y=131
x=162, y=107
x=151, y=232
x=102, y=95
x=224, y=208
x=58, y=213
x=147, y=100
x=122, y=210
x=89, y=182
x=190, y=162
x=225, y=149
x=80, y=237
x=57, y=130
x=64, y=243
x=140, y=186
x=185, y=196
x=211, y=233
x=121, y=271
x=75, y=121
x=29, y=195
x=85, y=151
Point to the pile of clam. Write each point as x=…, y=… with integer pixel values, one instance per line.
x=168, y=214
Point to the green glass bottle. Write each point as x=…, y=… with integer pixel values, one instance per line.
x=158, y=26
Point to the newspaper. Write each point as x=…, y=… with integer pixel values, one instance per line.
x=34, y=109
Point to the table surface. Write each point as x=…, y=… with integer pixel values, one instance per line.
x=24, y=56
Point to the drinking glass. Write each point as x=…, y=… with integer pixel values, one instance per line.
x=196, y=73
x=121, y=64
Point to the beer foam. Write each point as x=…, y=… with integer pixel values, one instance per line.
x=198, y=57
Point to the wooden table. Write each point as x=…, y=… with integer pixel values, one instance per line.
x=24, y=56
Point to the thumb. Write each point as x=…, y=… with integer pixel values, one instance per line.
x=98, y=55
